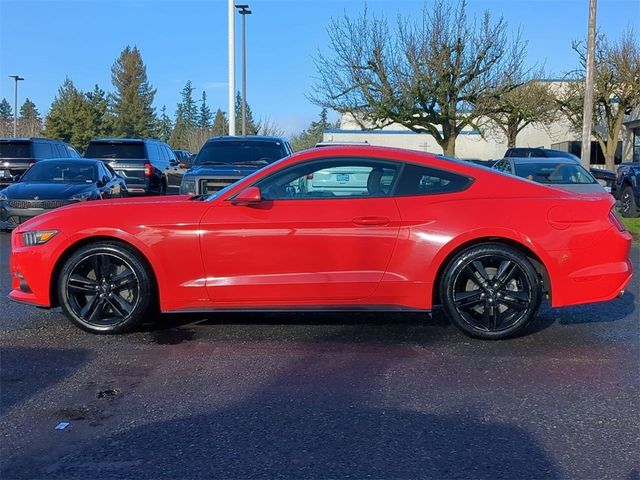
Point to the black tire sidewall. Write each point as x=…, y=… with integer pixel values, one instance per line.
x=633, y=207
x=472, y=253
x=144, y=279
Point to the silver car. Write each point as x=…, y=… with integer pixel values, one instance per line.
x=557, y=172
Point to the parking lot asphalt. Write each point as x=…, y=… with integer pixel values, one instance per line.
x=320, y=396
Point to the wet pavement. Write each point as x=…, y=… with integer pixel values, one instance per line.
x=320, y=396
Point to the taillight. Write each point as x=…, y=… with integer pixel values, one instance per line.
x=613, y=216
x=147, y=169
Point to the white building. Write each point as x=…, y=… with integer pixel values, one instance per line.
x=471, y=145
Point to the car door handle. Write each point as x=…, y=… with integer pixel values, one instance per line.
x=367, y=221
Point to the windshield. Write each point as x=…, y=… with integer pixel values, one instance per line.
x=239, y=152
x=115, y=150
x=15, y=150
x=554, y=173
x=61, y=172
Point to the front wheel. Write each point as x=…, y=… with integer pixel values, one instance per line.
x=105, y=287
x=490, y=291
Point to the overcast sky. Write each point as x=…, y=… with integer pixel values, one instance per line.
x=44, y=41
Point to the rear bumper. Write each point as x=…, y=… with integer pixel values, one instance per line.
x=598, y=273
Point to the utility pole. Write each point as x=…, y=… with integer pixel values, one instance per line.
x=16, y=79
x=232, y=69
x=244, y=11
x=587, y=118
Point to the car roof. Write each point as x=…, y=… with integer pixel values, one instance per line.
x=123, y=140
x=251, y=138
x=551, y=160
x=29, y=139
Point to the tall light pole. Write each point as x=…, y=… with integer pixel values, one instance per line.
x=16, y=79
x=587, y=117
x=244, y=11
x=232, y=68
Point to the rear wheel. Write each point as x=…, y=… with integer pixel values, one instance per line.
x=105, y=288
x=628, y=205
x=490, y=291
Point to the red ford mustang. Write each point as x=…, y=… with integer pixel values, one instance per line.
x=332, y=228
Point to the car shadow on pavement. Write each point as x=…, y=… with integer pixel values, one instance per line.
x=351, y=327
x=26, y=371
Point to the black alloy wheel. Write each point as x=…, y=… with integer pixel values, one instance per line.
x=491, y=291
x=105, y=288
x=628, y=207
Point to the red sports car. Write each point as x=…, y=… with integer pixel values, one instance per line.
x=332, y=228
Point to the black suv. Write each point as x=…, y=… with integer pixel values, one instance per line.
x=147, y=166
x=18, y=154
x=605, y=177
x=225, y=160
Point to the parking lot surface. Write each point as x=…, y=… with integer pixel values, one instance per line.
x=320, y=396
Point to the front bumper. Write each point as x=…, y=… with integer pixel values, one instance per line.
x=11, y=217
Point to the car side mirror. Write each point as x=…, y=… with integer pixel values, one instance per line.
x=248, y=196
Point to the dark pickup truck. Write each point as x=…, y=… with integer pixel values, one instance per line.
x=225, y=160
x=628, y=189
x=148, y=166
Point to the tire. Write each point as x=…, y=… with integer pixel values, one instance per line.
x=490, y=291
x=106, y=287
x=628, y=205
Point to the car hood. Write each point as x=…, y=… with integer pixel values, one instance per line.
x=46, y=191
x=230, y=170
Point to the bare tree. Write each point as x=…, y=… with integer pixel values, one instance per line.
x=533, y=101
x=616, y=90
x=432, y=75
x=269, y=128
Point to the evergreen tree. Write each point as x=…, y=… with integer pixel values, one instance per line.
x=164, y=127
x=313, y=134
x=186, y=119
x=132, y=101
x=220, y=124
x=204, y=115
x=101, y=120
x=6, y=119
x=29, y=121
x=252, y=127
x=69, y=118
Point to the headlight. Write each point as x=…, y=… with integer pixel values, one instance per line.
x=188, y=186
x=2, y=196
x=81, y=197
x=37, y=237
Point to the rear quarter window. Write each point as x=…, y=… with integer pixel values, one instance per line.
x=419, y=180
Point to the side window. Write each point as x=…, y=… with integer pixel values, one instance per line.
x=419, y=180
x=335, y=178
x=71, y=152
x=42, y=150
x=170, y=154
x=503, y=166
